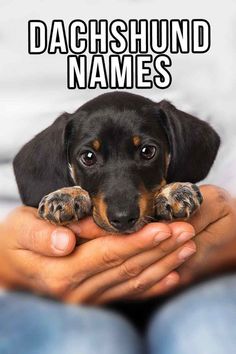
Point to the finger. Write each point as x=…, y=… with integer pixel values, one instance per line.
x=165, y=285
x=131, y=267
x=150, y=276
x=41, y=237
x=107, y=252
x=86, y=228
x=216, y=253
x=182, y=231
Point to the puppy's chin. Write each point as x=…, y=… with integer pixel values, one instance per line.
x=109, y=228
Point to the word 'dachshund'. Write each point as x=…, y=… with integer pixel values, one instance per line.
x=119, y=54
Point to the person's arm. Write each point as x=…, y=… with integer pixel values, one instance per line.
x=43, y=258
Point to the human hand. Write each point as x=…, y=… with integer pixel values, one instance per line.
x=106, y=268
x=215, y=226
x=24, y=241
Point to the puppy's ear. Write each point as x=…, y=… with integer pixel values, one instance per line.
x=41, y=165
x=193, y=144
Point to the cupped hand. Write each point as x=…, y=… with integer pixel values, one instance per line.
x=215, y=227
x=43, y=258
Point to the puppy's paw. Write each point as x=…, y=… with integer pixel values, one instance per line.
x=177, y=201
x=65, y=205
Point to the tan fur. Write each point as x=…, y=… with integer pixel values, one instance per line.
x=136, y=140
x=96, y=144
x=100, y=212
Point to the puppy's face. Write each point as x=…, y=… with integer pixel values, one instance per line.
x=119, y=154
x=121, y=148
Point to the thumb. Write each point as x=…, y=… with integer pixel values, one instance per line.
x=40, y=236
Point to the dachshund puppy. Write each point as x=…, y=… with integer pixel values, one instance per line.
x=121, y=158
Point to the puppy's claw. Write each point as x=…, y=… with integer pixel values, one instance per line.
x=177, y=201
x=65, y=205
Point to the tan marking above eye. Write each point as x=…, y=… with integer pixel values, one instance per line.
x=136, y=140
x=96, y=144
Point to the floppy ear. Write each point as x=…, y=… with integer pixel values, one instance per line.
x=193, y=144
x=41, y=165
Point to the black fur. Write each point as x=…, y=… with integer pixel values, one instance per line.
x=41, y=166
x=193, y=145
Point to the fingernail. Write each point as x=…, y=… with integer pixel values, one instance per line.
x=60, y=240
x=161, y=236
x=185, y=236
x=186, y=252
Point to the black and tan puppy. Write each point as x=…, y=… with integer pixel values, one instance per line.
x=120, y=157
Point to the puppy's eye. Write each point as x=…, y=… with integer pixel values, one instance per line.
x=147, y=152
x=88, y=158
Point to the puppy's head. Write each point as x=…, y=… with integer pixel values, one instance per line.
x=122, y=148
x=119, y=153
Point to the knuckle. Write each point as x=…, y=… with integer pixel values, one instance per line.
x=129, y=270
x=56, y=287
x=164, y=247
x=77, y=278
x=218, y=193
x=138, y=285
x=222, y=198
x=140, y=245
x=109, y=256
x=170, y=262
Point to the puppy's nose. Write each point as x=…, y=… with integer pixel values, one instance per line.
x=123, y=220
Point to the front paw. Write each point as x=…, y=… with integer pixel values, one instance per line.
x=177, y=201
x=65, y=205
